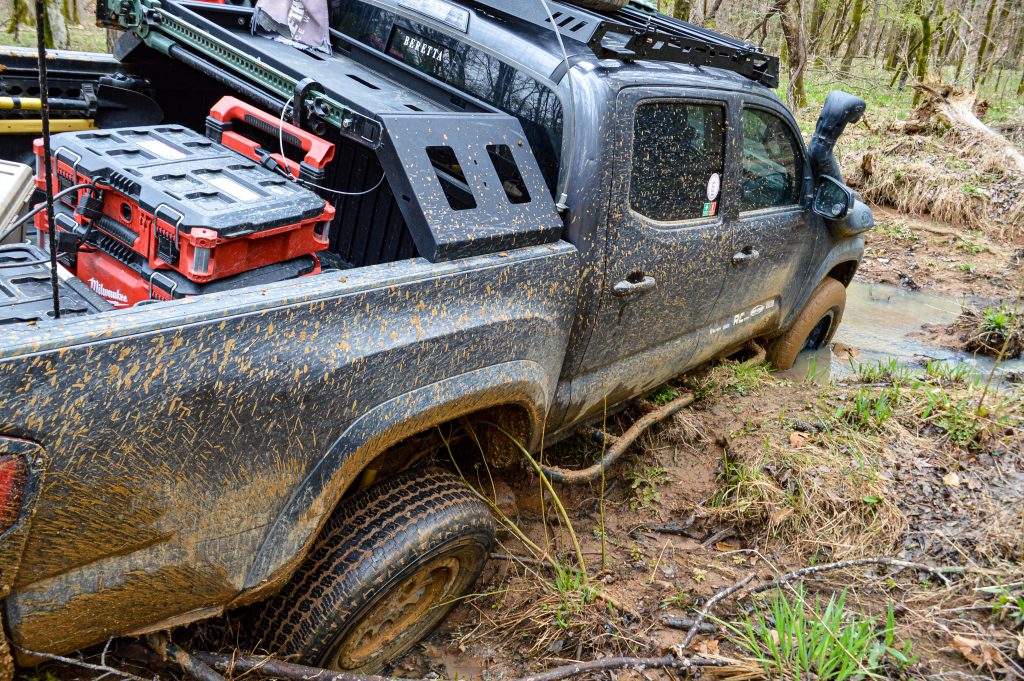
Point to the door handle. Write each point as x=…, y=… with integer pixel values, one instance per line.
x=746, y=255
x=627, y=289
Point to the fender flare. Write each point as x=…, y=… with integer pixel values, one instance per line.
x=851, y=250
x=522, y=382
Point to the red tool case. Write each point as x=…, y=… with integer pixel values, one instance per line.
x=185, y=203
x=220, y=127
x=123, y=277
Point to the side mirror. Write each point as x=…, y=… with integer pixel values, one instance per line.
x=832, y=198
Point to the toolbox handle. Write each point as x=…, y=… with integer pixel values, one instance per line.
x=319, y=152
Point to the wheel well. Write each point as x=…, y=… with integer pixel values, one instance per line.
x=843, y=272
x=471, y=438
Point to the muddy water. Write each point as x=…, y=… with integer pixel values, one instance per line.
x=880, y=323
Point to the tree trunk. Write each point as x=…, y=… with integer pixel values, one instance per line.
x=983, y=47
x=851, y=48
x=817, y=19
x=681, y=9
x=1002, y=24
x=56, y=28
x=924, y=54
x=796, y=47
x=19, y=16
x=898, y=39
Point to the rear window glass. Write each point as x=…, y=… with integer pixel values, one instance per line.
x=466, y=68
x=678, y=160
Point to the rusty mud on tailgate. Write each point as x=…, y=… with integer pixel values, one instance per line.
x=179, y=435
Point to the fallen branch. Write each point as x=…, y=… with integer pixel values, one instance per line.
x=706, y=610
x=532, y=562
x=83, y=665
x=685, y=623
x=939, y=572
x=298, y=672
x=718, y=536
x=197, y=669
x=672, y=528
x=618, y=445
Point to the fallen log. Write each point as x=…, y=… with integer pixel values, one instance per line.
x=957, y=109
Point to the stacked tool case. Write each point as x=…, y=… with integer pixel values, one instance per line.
x=171, y=213
x=25, y=288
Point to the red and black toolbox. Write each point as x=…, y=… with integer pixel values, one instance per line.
x=124, y=278
x=186, y=204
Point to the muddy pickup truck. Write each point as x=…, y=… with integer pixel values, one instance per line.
x=540, y=211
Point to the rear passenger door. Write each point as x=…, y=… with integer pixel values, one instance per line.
x=774, y=237
x=664, y=272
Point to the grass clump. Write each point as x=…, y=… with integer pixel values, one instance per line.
x=645, y=481
x=870, y=410
x=881, y=371
x=897, y=230
x=664, y=395
x=991, y=330
x=794, y=639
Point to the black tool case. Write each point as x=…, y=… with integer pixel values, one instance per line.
x=25, y=288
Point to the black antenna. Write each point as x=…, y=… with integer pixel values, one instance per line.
x=47, y=158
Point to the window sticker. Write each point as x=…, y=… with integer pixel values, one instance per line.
x=714, y=186
x=710, y=209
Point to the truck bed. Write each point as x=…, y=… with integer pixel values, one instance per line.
x=195, y=446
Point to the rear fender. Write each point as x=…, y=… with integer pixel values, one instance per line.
x=520, y=383
x=12, y=542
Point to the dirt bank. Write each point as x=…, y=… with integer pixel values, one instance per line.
x=916, y=252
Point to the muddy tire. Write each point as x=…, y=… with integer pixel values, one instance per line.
x=601, y=5
x=813, y=328
x=386, y=569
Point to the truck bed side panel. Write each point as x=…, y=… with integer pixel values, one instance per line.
x=176, y=434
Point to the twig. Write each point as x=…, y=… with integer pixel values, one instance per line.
x=718, y=536
x=83, y=665
x=534, y=562
x=620, y=444
x=706, y=610
x=939, y=572
x=672, y=528
x=685, y=623
x=197, y=669
x=298, y=672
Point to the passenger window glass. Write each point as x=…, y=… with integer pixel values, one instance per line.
x=772, y=162
x=678, y=159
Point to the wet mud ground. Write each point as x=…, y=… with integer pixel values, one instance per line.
x=943, y=503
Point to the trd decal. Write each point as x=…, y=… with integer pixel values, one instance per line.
x=745, y=316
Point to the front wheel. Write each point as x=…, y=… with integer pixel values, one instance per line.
x=388, y=566
x=813, y=328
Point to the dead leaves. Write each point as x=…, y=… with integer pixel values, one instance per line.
x=798, y=439
x=980, y=653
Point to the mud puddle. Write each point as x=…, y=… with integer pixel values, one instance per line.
x=883, y=322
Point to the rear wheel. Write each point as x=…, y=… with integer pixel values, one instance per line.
x=813, y=328
x=389, y=565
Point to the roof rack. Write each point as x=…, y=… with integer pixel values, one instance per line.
x=633, y=33
x=664, y=38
